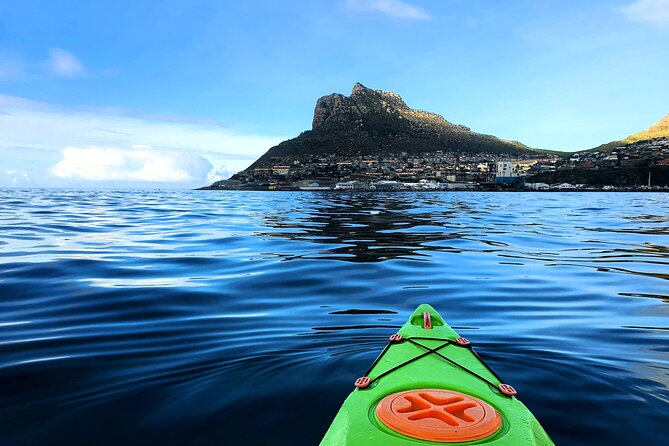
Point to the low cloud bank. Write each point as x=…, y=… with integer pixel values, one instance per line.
x=49, y=145
x=139, y=163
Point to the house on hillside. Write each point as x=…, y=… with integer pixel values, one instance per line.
x=280, y=170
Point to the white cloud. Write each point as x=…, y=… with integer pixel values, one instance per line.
x=220, y=174
x=63, y=63
x=649, y=11
x=59, y=63
x=138, y=163
x=393, y=8
x=46, y=140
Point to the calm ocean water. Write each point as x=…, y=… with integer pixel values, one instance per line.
x=219, y=318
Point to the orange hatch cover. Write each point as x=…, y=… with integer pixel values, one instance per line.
x=438, y=415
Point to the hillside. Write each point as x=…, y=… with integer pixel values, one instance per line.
x=659, y=130
x=636, y=160
x=656, y=131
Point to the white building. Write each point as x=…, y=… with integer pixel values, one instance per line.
x=427, y=184
x=563, y=186
x=386, y=185
x=506, y=169
x=351, y=185
x=312, y=186
x=537, y=186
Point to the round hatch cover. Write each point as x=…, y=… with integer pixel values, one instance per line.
x=438, y=415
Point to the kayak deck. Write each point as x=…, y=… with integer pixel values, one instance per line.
x=444, y=370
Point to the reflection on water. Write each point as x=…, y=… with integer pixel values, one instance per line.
x=201, y=318
x=367, y=228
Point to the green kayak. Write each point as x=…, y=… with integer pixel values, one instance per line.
x=429, y=386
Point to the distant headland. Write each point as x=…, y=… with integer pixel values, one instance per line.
x=371, y=140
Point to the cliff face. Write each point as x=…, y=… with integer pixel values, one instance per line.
x=374, y=122
x=368, y=108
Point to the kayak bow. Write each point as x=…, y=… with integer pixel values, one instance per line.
x=429, y=386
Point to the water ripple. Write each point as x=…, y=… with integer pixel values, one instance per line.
x=192, y=317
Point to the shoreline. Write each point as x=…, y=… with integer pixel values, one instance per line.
x=339, y=191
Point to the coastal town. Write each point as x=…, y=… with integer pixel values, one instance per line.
x=446, y=171
x=403, y=171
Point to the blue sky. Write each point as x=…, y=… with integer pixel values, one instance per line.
x=177, y=93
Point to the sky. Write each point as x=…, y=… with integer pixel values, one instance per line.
x=177, y=94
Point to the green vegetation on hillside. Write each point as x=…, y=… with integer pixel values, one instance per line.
x=659, y=130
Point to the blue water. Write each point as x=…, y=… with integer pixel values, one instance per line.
x=217, y=318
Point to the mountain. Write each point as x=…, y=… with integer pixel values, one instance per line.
x=375, y=122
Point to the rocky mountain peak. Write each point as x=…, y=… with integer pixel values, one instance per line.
x=358, y=88
x=381, y=97
x=365, y=102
